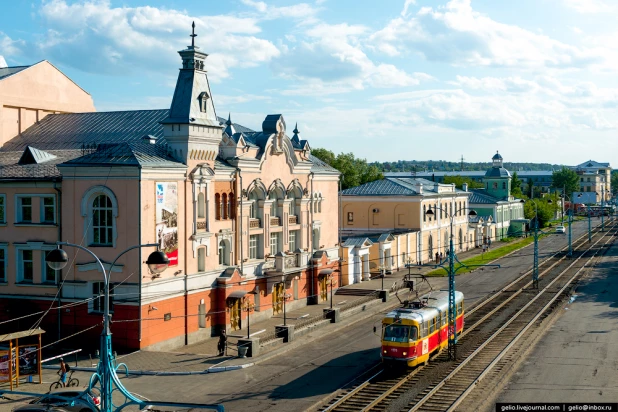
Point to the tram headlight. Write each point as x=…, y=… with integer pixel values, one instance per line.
x=405, y=354
x=385, y=351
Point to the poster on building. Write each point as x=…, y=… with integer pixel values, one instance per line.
x=167, y=219
x=4, y=366
x=28, y=360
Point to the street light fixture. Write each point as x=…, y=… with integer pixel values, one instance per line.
x=452, y=306
x=157, y=262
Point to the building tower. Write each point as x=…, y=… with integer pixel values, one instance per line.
x=497, y=179
x=191, y=128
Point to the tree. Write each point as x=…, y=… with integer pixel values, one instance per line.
x=546, y=211
x=516, y=186
x=459, y=181
x=355, y=172
x=565, y=179
x=614, y=183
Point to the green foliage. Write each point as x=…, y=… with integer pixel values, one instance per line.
x=566, y=179
x=443, y=165
x=459, y=181
x=614, y=182
x=516, y=184
x=355, y=171
x=546, y=210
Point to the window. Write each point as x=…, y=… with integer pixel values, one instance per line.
x=495, y=185
x=424, y=213
x=223, y=253
x=218, y=209
x=3, y=265
x=396, y=333
x=292, y=241
x=27, y=266
x=49, y=275
x=253, y=246
x=504, y=185
x=25, y=210
x=350, y=217
x=274, y=243
x=432, y=325
x=273, y=205
x=48, y=209
x=98, y=297
x=201, y=206
x=254, y=198
x=102, y=221
x=2, y=209
x=230, y=206
x=224, y=207
x=201, y=259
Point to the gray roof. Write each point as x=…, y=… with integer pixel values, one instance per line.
x=497, y=156
x=356, y=241
x=320, y=167
x=127, y=154
x=9, y=71
x=384, y=187
x=497, y=172
x=591, y=164
x=35, y=156
x=468, y=173
x=10, y=169
x=479, y=197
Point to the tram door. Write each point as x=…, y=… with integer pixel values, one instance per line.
x=323, y=288
x=278, y=298
x=234, y=308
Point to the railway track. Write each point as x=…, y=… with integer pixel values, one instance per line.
x=386, y=389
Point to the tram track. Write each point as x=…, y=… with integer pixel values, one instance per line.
x=451, y=391
x=386, y=387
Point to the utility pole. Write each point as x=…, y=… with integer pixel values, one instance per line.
x=462, y=163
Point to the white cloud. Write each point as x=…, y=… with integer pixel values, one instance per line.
x=94, y=36
x=459, y=35
x=589, y=6
x=301, y=10
x=8, y=46
x=406, y=6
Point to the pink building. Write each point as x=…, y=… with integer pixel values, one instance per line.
x=246, y=217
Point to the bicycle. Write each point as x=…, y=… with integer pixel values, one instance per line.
x=71, y=382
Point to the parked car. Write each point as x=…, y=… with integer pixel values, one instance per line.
x=84, y=401
x=560, y=229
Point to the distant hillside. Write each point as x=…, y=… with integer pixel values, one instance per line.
x=444, y=166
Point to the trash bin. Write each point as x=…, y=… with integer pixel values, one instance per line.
x=242, y=351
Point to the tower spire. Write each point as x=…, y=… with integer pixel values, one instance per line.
x=193, y=35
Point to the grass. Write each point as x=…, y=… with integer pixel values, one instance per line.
x=486, y=257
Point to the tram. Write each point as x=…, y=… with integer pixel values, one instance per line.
x=414, y=331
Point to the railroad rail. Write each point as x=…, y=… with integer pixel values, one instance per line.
x=386, y=388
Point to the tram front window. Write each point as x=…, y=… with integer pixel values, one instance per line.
x=396, y=333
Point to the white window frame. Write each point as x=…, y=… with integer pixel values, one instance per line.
x=201, y=205
x=40, y=247
x=292, y=240
x=97, y=305
x=19, y=219
x=253, y=246
x=21, y=265
x=201, y=259
x=4, y=262
x=3, y=206
x=87, y=213
x=45, y=267
x=42, y=209
x=274, y=243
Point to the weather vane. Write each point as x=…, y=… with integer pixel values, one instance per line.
x=193, y=35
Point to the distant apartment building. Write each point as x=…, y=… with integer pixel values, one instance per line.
x=594, y=182
x=246, y=217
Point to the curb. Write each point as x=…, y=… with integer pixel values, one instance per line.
x=213, y=369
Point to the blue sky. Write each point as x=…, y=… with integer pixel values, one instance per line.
x=388, y=80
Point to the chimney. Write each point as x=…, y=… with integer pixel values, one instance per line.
x=418, y=188
x=464, y=187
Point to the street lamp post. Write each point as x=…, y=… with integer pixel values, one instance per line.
x=535, y=267
x=331, y=291
x=589, y=210
x=157, y=262
x=452, y=306
x=249, y=307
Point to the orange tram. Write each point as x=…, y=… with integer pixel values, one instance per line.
x=414, y=331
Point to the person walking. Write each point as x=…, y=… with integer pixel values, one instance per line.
x=222, y=343
x=63, y=372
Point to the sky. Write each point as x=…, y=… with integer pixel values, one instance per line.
x=386, y=80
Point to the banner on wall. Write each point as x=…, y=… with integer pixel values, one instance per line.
x=28, y=360
x=4, y=366
x=167, y=219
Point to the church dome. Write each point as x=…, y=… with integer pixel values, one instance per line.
x=497, y=157
x=497, y=172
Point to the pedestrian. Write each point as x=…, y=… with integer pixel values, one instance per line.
x=63, y=372
x=437, y=257
x=222, y=343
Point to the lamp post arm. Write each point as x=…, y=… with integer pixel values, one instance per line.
x=105, y=277
x=131, y=248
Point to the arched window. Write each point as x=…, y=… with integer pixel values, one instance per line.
x=504, y=185
x=254, y=198
x=224, y=208
x=292, y=197
x=100, y=209
x=218, y=206
x=274, y=207
x=201, y=259
x=223, y=253
x=200, y=205
x=430, y=247
x=230, y=206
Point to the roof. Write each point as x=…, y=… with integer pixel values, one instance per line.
x=356, y=241
x=479, y=197
x=33, y=155
x=9, y=71
x=467, y=173
x=320, y=167
x=127, y=154
x=497, y=156
x=10, y=169
x=591, y=164
x=435, y=301
x=497, y=172
x=384, y=187
x=21, y=334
